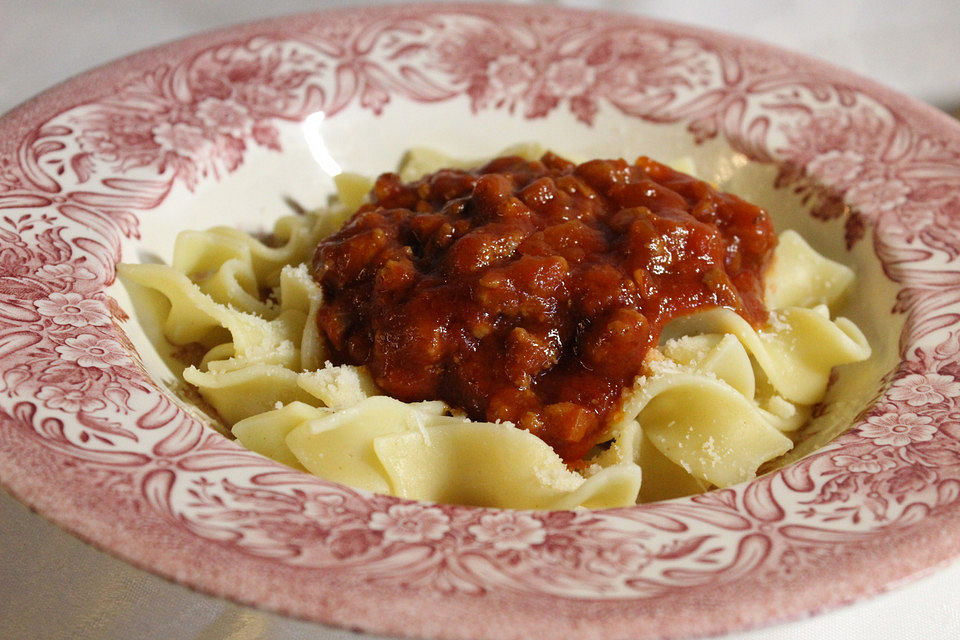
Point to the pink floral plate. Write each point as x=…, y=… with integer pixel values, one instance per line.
x=221, y=128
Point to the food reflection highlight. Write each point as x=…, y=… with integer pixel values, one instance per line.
x=718, y=396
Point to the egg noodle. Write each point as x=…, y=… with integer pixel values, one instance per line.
x=717, y=399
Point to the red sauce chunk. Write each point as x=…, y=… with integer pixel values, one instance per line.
x=532, y=292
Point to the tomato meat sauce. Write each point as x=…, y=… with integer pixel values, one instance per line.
x=533, y=291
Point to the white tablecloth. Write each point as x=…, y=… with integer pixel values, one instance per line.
x=53, y=586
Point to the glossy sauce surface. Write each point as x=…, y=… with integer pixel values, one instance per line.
x=532, y=292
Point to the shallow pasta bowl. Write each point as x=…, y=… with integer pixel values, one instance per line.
x=222, y=128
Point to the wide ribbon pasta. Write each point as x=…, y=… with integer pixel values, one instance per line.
x=414, y=451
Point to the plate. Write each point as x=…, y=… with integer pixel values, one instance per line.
x=222, y=128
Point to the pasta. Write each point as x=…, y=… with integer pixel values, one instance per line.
x=718, y=398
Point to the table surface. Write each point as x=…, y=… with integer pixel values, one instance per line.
x=54, y=586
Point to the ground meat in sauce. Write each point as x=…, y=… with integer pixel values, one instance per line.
x=531, y=292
